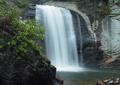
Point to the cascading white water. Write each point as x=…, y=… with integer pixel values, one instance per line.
x=61, y=45
x=81, y=42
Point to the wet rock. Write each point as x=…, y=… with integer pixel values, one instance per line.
x=112, y=81
x=59, y=81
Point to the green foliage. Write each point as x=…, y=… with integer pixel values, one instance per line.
x=28, y=33
x=24, y=33
x=21, y=36
x=20, y=50
x=8, y=10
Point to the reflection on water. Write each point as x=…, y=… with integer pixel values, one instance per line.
x=88, y=77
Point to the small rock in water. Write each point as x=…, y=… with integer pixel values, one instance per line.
x=111, y=82
x=100, y=82
x=107, y=80
x=118, y=79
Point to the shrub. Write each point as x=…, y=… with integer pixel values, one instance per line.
x=20, y=51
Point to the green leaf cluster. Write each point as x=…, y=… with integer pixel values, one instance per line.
x=19, y=37
x=15, y=32
x=27, y=36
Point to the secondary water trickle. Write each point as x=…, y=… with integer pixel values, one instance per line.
x=60, y=40
x=110, y=36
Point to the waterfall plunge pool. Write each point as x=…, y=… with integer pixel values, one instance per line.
x=87, y=76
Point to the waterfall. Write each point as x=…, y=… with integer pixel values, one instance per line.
x=81, y=43
x=60, y=38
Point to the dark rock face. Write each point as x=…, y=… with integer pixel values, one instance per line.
x=87, y=47
x=23, y=73
x=93, y=56
x=29, y=12
x=29, y=68
x=37, y=78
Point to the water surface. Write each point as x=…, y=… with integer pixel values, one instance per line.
x=88, y=77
